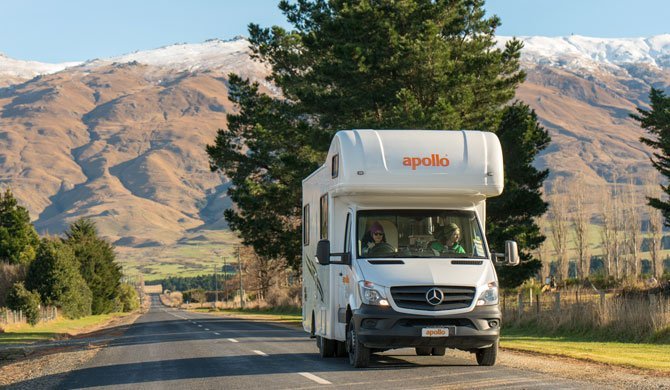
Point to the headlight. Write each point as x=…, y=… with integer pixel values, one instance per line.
x=372, y=294
x=489, y=296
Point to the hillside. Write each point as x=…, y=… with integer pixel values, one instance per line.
x=122, y=139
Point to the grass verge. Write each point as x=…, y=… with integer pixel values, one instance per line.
x=290, y=315
x=645, y=356
x=52, y=330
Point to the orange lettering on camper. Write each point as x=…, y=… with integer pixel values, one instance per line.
x=435, y=160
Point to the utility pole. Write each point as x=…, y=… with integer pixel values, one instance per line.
x=225, y=281
x=216, y=288
x=239, y=266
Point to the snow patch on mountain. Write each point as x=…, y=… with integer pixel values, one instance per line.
x=10, y=67
x=582, y=52
x=213, y=54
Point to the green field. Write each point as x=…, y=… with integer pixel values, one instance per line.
x=637, y=355
x=198, y=254
x=53, y=330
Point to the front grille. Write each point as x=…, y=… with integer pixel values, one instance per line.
x=414, y=297
x=435, y=322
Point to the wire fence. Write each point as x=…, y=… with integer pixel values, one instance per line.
x=12, y=317
x=582, y=310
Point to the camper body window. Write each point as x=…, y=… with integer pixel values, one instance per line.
x=335, y=166
x=305, y=225
x=419, y=233
x=324, y=217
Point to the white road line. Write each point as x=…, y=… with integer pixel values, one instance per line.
x=260, y=353
x=233, y=341
x=206, y=328
x=199, y=326
x=315, y=378
x=217, y=334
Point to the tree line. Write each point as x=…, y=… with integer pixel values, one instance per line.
x=77, y=273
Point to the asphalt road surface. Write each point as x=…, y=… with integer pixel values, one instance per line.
x=173, y=349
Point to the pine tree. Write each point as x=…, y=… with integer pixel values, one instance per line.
x=55, y=276
x=512, y=215
x=404, y=64
x=97, y=264
x=18, y=238
x=657, y=123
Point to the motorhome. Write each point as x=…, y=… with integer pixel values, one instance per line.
x=394, y=246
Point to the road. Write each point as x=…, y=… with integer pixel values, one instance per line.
x=173, y=349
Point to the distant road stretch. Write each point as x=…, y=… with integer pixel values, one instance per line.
x=173, y=349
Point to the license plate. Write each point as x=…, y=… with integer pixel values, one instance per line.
x=435, y=332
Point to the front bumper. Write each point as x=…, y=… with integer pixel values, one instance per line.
x=385, y=328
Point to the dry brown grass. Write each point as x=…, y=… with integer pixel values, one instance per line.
x=610, y=317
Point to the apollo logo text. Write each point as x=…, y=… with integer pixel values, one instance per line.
x=435, y=160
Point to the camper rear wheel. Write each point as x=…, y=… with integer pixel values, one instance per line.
x=423, y=351
x=487, y=356
x=327, y=347
x=359, y=355
x=438, y=351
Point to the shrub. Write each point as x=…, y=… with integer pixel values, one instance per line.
x=128, y=298
x=19, y=298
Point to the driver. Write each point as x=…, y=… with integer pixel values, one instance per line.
x=374, y=241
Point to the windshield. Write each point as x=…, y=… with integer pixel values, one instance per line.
x=418, y=233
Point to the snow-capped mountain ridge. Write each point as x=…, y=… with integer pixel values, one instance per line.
x=585, y=51
x=574, y=51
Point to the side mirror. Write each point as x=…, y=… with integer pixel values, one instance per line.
x=511, y=253
x=323, y=252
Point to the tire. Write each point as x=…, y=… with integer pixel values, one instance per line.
x=326, y=347
x=487, y=356
x=438, y=351
x=423, y=351
x=359, y=355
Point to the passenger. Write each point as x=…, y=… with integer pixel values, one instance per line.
x=447, y=240
x=374, y=241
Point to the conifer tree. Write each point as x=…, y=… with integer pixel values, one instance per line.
x=55, y=276
x=404, y=64
x=97, y=264
x=512, y=215
x=18, y=238
x=657, y=123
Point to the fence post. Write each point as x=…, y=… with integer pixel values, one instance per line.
x=520, y=305
x=557, y=303
x=537, y=304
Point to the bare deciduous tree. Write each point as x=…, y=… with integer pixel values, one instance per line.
x=580, y=225
x=558, y=222
x=656, y=219
x=632, y=232
x=607, y=229
x=261, y=273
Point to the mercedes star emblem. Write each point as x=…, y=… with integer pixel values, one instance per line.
x=434, y=296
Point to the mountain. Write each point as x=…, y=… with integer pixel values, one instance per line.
x=583, y=90
x=121, y=140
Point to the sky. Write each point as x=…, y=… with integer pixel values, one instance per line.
x=78, y=30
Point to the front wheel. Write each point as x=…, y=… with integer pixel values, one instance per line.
x=487, y=356
x=359, y=355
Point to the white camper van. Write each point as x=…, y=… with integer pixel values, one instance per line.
x=394, y=251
